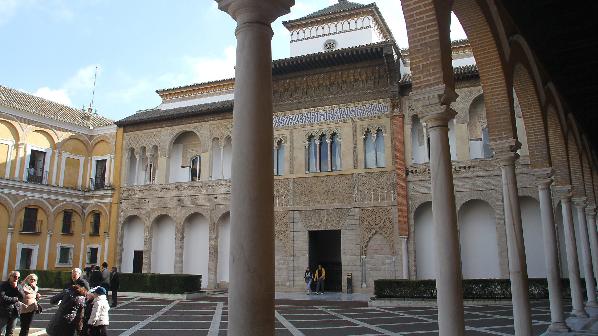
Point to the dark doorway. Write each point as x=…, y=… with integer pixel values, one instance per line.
x=325, y=249
x=137, y=261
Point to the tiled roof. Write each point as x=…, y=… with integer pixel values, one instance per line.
x=29, y=103
x=157, y=114
x=341, y=6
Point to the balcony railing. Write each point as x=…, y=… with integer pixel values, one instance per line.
x=98, y=183
x=31, y=226
x=33, y=177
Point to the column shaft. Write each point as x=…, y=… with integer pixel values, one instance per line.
x=591, y=220
x=7, y=255
x=551, y=258
x=448, y=259
x=47, y=252
x=252, y=189
x=585, y=252
x=572, y=265
x=516, y=248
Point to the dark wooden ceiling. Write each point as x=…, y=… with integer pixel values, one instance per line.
x=564, y=37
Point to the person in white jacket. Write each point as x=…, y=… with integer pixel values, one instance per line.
x=98, y=321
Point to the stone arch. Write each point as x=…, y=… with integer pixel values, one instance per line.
x=174, y=137
x=223, y=231
x=479, y=240
x=180, y=155
x=521, y=53
x=66, y=206
x=425, y=244
x=49, y=135
x=100, y=138
x=7, y=203
x=477, y=129
x=533, y=118
x=557, y=147
x=45, y=206
x=487, y=197
x=97, y=207
x=196, y=245
x=492, y=68
x=163, y=244
x=85, y=141
x=131, y=238
x=14, y=128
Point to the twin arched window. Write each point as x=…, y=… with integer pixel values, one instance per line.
x=323, y=153
x=373, y=144
x=279, y=149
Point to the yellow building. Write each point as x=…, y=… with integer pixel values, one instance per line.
x=56, y=184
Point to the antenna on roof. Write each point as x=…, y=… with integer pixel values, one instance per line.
x=93, y=92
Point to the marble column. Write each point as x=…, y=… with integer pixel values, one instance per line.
x=252, y=188
x=7, y=254
x=106, y=246
x=586, y=259
x=405, y=256
x=591, y=220
x=449, y=276
x=82, y=251
x=564, y=194
x=515, y=244
x=47, y=249
x=557, y=316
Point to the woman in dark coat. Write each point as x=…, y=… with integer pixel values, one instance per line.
x=67, y=321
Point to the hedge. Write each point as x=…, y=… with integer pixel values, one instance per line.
x=129, y=282
x=484, y=289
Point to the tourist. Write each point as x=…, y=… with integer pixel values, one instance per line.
x=98, y=321
x=76, y=279
x=105, y=276
x=29, y=306
x=308, y=279
x=114, y=284
x=68, y=319
x=320, y=277
x=9, y=303
x=87, y=311
x=95, y=279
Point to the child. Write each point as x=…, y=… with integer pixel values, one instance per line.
x=98, y=321
x=308, y=278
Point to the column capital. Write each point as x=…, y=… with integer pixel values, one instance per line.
x=11, y=230
x=259, y=11
x=506, y=148
x=433, y=105
x=580, y=201
x=50, y=232
x=563, y=192
x=543, y=177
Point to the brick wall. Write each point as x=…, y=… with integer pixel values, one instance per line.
x=558, y=151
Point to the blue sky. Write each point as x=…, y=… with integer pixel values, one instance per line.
x=51, y=48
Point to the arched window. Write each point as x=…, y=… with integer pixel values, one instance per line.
x=335, y=152
x=196, y=168
x=419, y=152
x=370, y=150
x=380, y=149
x=227, y=158
x=312, y=149
x=279, y=158
x=324, y=153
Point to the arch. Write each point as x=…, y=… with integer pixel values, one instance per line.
x=100, y=138
x=223, y=228
x=42, y=138
x=531, y=111
x=227, y=157
x=182, y=149
x=131, y=167
x=587, y=175
x=419, y=151
x=45, y=206
x=478, y=238
x=7, y=203
x=163, y=245
x=101, y=148
x=76, y=144
x=133, y=233
x=491, y=63
x=425, y=244
x=532, y=233
x=216, y=159
x=557, y=147
x=76, y=208
x=196, y=246
x=477, y=127
x=575, y=168
x=8, y=127
x=521, y=53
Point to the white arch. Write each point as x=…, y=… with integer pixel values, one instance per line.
x=227, y=158
x=133, y=232
x=425, y=244
x=196, y=247
x=477, y=235
x=163, y=245
x=223, y=248
x=532, y=236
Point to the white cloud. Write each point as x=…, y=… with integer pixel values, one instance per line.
x=204, y=69
x=59, y=96
x=82, y=79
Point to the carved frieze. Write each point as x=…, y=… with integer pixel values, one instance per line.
x=282, y=231
x=324, y=219
x=334, y=189
x=376, y=220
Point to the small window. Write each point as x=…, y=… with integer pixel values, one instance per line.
x=330, y=45
x=30, y=223
x=92, y=255
x=196, y=168
x=100, y=175
x=65, y=255
x=67, y=222
x=95, y=224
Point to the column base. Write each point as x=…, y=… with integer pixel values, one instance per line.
x=557, y=328
x=591, y=304
x=579, y=313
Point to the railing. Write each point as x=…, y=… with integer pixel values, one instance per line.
x=32, y=177
x=31, y=226
x=98, y=183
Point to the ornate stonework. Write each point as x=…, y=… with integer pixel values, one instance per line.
x=282, y=230
x=324, y=219
x=376, y=220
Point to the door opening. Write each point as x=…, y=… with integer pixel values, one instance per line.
x=325, y=249
x=138, y=261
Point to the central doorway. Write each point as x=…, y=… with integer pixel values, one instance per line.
x=325, y=249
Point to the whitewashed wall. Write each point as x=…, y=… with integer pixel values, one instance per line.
x=533, y=237
x=196, y=251
x=163, y=240
x=177, y=174
x=425, y=244
x=132, y=241
x=223, y=248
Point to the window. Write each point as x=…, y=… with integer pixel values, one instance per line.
x=279, y=158
x=196, y=168
x=373, y=144
x=335, y=152
x=100, y=175
x=67, y=222
x=92, y=255
x=30, y=222
x=35, y=171
x=64, y=255
x=324, y=153
x=95, y=224
x=312, y=149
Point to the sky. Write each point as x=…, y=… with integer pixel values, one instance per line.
x=52, y=48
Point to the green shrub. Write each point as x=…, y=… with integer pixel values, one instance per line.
x=481, y=289
x=129, y=282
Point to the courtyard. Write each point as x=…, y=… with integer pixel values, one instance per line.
x=297, y=314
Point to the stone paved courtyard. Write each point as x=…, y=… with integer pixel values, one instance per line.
x=310, y=316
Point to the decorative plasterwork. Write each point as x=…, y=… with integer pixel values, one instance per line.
x=324, y=219
x=332, y=114
x=282, y=230
x=376, y=220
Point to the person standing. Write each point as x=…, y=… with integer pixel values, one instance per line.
x=76, y=279
x=105, y=276
x=98, y=320
x=29, y=291
x=68, y=319
x=308, y=280
x=114, y=284
x=320, y=277
x=9, y=302
x=95, y=279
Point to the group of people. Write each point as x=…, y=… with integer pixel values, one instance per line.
x=82, y=310
x=318, y=276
